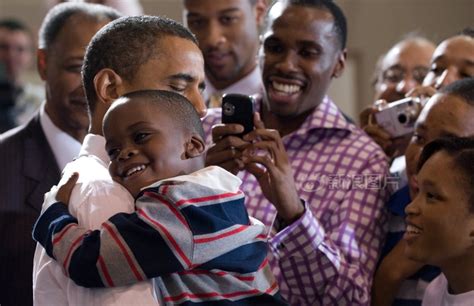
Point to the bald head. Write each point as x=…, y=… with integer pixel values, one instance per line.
x=402, y=68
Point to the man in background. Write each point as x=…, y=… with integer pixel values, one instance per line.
x=227, y=31
x=32, y=156
x=317, y=181
x=398, y=72
x=402, y=68
x=18, y=99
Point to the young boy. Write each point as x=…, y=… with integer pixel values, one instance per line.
x=191, y=224
x=440, y=220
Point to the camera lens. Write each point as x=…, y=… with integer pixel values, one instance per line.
x=228, y=109
x=402, y=118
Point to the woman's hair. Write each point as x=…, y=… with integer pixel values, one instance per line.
x=461, y=150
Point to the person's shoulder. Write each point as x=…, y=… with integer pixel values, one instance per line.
x=30, y=132
x=91, y=170
x=15, y=135
x=435, y=291
x=94, y=181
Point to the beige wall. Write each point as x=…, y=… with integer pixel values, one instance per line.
x=374, y=25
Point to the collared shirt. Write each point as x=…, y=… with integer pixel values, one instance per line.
x=398, y=169
x=95, y=198
x=328, y=255
x=249, y=85
x=65, y=148
x=437, y=294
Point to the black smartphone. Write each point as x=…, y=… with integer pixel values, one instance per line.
x=237, y=108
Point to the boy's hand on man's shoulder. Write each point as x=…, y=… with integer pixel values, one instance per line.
x=65, y=188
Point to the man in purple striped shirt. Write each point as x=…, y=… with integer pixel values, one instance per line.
x=317, y=181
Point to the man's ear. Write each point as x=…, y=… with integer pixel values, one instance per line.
x=41, y=63
x=107, y=84
x=341, y=64
x=260, y=9
x=194, y=146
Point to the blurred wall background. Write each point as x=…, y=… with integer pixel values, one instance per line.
x=374, y=25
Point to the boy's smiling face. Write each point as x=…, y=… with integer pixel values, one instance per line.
x=439, y=223
x=143, y=144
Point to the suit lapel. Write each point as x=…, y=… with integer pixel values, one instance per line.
x=39, y=164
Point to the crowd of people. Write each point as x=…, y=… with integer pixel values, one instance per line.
x=120, y=185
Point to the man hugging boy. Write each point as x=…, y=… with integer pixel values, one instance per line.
x=191, y=229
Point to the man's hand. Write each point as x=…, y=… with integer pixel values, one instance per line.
x=226, y=151
x=375, y=131
x=422, y=92
x=392, y=147
x=267, y=160
x=65, y=188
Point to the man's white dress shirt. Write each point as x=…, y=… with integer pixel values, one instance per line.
x=94, y=199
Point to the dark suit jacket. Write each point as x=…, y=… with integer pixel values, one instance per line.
x=28, y=170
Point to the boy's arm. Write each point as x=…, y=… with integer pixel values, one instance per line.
x=111, y=256
x=128, y=248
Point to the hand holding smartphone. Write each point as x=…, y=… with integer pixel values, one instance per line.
x=238, y=109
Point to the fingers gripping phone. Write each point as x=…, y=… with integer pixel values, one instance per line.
x=237, y=108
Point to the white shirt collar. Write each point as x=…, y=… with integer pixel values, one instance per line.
x=249, y=85
x=65, y=148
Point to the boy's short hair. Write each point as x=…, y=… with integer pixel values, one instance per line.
x=461, y=150
x=60, y=14
x=124, y=45
x=176, y=106
x=463, y=89
x=340, y=21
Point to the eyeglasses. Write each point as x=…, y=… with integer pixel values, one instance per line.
x=398, y=74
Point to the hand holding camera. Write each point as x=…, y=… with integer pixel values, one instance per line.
x=390, y=124
x=398, y=118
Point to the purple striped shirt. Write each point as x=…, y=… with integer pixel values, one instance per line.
x=328, y=255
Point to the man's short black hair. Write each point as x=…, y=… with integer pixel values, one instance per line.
x=469, y=31
x=340, y=22
x=124, y=45
x=177, y=107
x=461, y=149
x=12, y=24
x=60, y=14
x=463, y=89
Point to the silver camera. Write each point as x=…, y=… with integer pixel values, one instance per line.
x=398, y=118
